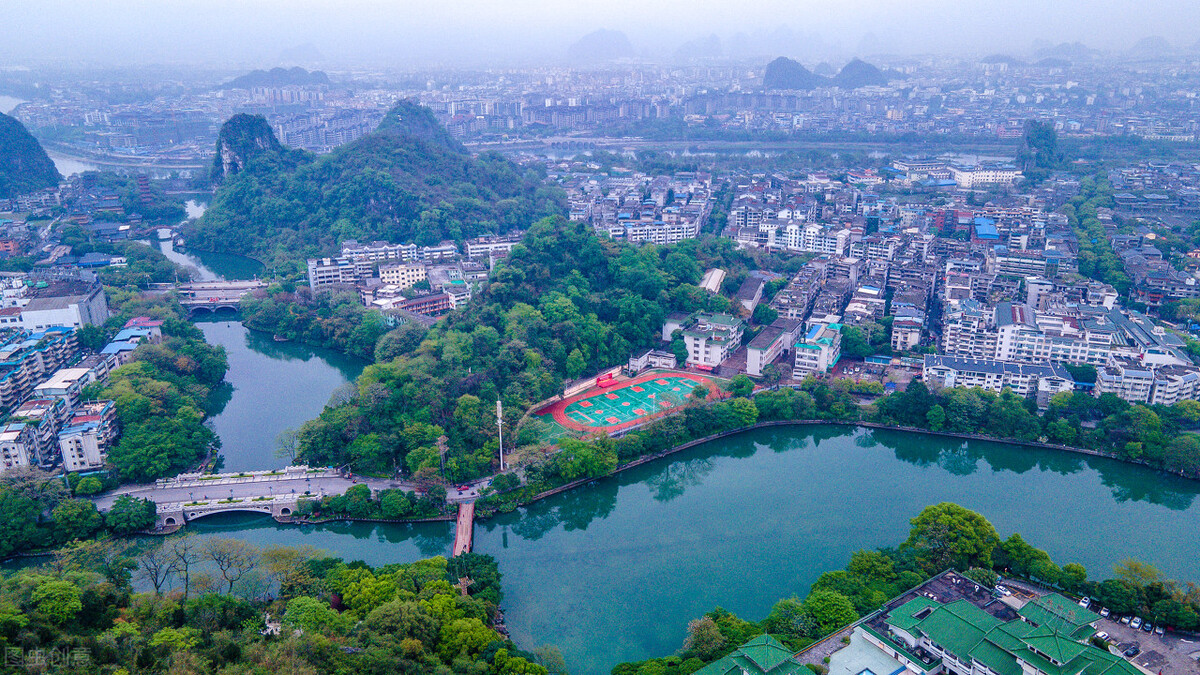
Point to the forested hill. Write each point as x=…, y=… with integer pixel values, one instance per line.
x=24, y=164
x=406, y=181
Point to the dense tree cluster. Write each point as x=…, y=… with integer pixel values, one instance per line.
x=40, y=511
x=326, y=318
x=395, y=504
x=407, y=181
x=1096, y=259
x=943, y=536
x=1166, y=437
x=225, y=606
x=564, y=304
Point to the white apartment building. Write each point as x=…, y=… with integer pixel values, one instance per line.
x=972, y=177
x=1044, y=380
x=818, y=350
x=331, y=271
x=815, y=238
x=710, y=338
x=16, y=445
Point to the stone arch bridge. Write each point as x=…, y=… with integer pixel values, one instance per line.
x=174, y=514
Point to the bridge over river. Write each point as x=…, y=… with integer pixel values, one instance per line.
x=210, y=296
x=275, y=493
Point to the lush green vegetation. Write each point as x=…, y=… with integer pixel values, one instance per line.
x=326, y=318
x=24, y=164
x=407, y=181
x=1096, y=258
x=225, y=606
x=358, y=503
x=162, y=395
x=597, y=302
x=943, y=536
x=41, y=511
x=1163, y=436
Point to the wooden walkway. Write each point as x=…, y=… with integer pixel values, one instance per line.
x=465, y=529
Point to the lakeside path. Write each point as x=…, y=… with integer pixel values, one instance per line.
x=265, y=484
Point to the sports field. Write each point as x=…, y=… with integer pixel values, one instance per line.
x=628, y=403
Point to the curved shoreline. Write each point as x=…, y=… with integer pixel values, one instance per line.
x=797, y=423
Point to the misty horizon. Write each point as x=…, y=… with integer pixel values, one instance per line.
x=369, y=33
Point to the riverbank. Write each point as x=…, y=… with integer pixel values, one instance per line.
x=850, y=424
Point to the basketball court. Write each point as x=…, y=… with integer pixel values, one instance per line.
x=617, y=405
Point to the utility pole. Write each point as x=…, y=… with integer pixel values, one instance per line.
x=500, y=427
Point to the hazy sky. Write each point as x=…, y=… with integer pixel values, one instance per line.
x=501, y=32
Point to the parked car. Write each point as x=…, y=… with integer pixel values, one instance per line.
x=1104, y=612
x=1084, y=602
x=1136, y=623
x=1125, y=620
x=1102, y=635
x=1148, y=627
x=1002, y=591
x=1132, y=651
x=1158, y=630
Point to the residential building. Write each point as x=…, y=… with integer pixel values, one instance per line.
x=710, y=338
x=404, y=275
x=86, y=437
x=817, y=350
x=17, y=446
x=1041, y=380
x=331, y=272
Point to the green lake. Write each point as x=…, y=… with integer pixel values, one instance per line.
x=615, y=570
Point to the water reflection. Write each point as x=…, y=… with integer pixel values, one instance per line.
x=963, y=458
x=677, y=477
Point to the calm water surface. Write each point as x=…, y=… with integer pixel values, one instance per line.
x=271, y=386
x=615, y=570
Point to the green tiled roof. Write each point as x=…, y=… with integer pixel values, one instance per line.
x=969, y=633
x=764, y=655
x=1054, y=645
x=1059, y=613
x=905, y=616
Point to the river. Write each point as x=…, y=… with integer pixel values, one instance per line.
x=270, y=386
x=615, y=570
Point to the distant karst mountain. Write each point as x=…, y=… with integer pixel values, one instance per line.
x=1154, y=45
x=1011, y=61
x=700, y=48
x=24, y=164
x=859, y=73
x=242, y=139
x=407, y=181
x=277, y=77
x=600, y=46
x=784, y=73
x=1074, y=51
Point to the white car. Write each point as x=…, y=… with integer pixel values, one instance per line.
x=1158, y=630
x=1104, y=612
x=1136, y=623
x=1102, y=635
x=1084, y=602
x=1003, y=591
x=1125, y=620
